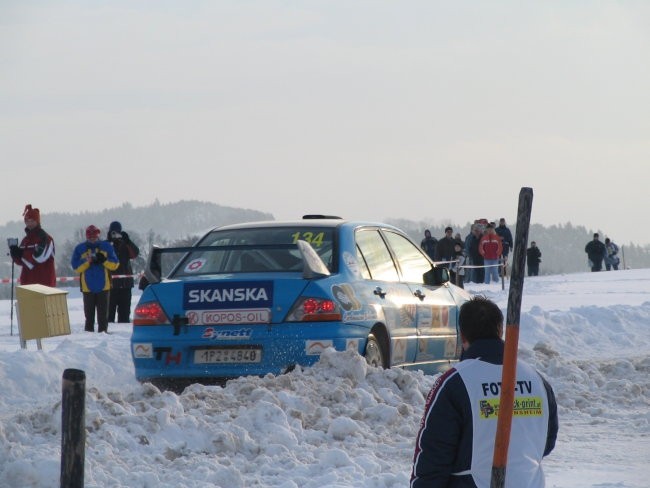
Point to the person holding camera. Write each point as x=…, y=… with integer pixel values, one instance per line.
x=93, y=260
x=35, y=254
x=120, y=296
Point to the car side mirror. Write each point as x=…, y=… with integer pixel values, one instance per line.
x=436, y=276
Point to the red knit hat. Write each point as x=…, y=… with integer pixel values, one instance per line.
x=92, y=231
x=32, y=213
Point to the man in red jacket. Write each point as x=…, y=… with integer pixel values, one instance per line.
x=491, y=248
x=35, y=253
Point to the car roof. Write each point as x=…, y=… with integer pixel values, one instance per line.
x=308, y=222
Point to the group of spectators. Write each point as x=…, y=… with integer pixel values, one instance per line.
x=479, y=258
x=597, y=252
x=104, y=268
x=483, y=255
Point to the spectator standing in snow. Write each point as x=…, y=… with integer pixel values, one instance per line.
x=477, y=275
x=120, y=295
x=429, y=244
x=596, y=252
x=445, y=248
x=454, y=447
x=93, y=259
x=506, y=241
x=533, y=258
x=457, y=269
x=611, y=258
x=35, y=254
x=490, y=248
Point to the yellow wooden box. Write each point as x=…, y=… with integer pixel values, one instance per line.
x=42, y=312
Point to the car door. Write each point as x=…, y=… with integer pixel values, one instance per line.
x=435, y=307
x=389, y=293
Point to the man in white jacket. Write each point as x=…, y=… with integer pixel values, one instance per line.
x=455, y=444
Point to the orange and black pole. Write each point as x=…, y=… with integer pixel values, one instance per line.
x=508, y=376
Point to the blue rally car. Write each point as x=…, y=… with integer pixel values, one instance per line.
x=258, y=298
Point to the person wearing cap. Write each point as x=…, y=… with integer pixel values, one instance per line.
x=122, y=278
x=596, y=251
x=93, y=260
x=35, y=253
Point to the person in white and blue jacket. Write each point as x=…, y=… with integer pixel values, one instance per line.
x=611, y=258
x=93, y=260
x=455, y=445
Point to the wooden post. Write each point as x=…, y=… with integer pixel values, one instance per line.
x=73, y=428
x=508, y=376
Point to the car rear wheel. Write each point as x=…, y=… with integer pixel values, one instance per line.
x=374, y=354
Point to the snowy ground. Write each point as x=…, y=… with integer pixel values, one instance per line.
x=340, y=423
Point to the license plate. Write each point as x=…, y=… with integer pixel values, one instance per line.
x=227, y=355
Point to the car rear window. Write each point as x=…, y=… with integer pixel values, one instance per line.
x=253, y=250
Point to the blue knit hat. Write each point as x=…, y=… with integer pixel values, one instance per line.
x=115, y=227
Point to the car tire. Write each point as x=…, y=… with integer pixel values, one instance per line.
x=374, y=354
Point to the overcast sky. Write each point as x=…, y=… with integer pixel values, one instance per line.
x=425, y=110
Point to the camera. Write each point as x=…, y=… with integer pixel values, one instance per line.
x=12, y=241
x=116, y=235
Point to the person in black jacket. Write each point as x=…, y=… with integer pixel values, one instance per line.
x=428, y=245
x=533, y=258
x=477, y=275
x=506, y=242
x=120, y=298
x=596, y=251
x=445, y=247
x=454, y=447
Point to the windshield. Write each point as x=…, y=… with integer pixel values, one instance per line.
x=254, y=250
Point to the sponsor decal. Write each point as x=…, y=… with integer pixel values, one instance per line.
x=523, y=407
x=450, y=347
x=226, y=335
x=228, y=295
x=194, y=265
x=351, y=263
x=230, y=317
x=425, y=316
x=439, y=316
x=359, y=316
x=399, y=351
x=352, y=345
x=143, y=351
x=344, y=294
x=407, y=315
x=316, y=348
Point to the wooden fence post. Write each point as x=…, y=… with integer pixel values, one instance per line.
x=73, y=428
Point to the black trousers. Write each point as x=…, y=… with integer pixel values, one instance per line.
x=120, y=303
x=98, y=302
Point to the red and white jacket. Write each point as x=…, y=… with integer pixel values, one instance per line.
x=37, y=260
x=490, y=246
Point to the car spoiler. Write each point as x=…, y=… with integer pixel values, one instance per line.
x=313, y=265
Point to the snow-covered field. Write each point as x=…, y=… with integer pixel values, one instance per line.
x=340, y=423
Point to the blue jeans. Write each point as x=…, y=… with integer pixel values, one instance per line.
x=492, y=271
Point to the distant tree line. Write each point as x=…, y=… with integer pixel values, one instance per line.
x=181, y=223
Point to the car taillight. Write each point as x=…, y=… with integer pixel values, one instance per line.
x=150, y=313
x=314, y=310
